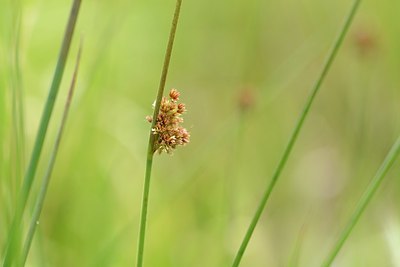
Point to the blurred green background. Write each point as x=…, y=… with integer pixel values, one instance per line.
x=203, y=197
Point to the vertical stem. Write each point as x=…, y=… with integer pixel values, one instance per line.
x=12, y=242
x=143, y=217
x=230, y=184
x=152, y=137
x=364, y=201
x=17, y=152
x=46, y=179
x=18, y=87
x=295, y=133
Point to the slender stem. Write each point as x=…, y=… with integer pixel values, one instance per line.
x=296, y=132
x=18, y=86
x=46, y=179
x=294, y=258
x=364, y=201
x=17, y=107
x=47, y=112
x=18, y=153
x=152, y=137
x=143, y=217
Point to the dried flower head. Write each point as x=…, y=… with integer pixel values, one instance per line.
x=169, y=133
x=365, y=40
x=246, y=99
x=174, y=94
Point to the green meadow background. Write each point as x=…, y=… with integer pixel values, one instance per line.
x=203, y=196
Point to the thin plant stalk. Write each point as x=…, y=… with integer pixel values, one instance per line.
x=16, y=150
x=230, y=183
x=46, y=179
x=17, y=104
x=152, y=137
x=364, y=201
x=296, y=132
x=37, y=149
x=295, y=257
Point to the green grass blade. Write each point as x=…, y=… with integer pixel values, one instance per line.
x=295, y=133
x=12, y=86
x=150, y=152
x=20, y=90
x=46, y=179
x=4, y=192
x=364, y=201
x=143, y=215
x=17, y=101
x=30, y=173
x=295, y=257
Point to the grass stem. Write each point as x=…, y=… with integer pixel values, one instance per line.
x=17, y=104
x=152, y=137
x=364, y=201
x=296, y=132
x=46, y=179
x=12, y=242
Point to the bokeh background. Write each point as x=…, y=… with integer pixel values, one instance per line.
x=244, y=69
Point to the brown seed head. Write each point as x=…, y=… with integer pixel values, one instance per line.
x=174, y=95
x=181, y=108
x=169, y=132
x=365, y=41
x=246, y=99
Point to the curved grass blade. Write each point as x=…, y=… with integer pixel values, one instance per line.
x=46, y=179
x=295, y=133
x=12, y=242
x=364, y=201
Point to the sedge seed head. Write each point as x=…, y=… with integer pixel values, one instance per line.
x=174, y=94
x=168, y=130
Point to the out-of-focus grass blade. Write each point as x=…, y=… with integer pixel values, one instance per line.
x=295, y=257
x=12, y=133
x=295, y=133
x=391, y=226
x=18, y=129
x=12, y=241
x=4, y=192
x=46, y=179
x=364, y=201
x=17, y=99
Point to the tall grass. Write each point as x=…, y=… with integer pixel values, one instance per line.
x=364, y=201
x=12, y=135
x=293, y=138
x=17, y=101
x=46, y=179
x=12, y=246
x=3, y=160
x=197, y=218
x=152, y=137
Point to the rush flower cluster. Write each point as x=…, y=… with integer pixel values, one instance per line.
x=168, y=130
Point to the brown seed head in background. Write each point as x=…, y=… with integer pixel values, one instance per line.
x=365, y=40
x=246, y=99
